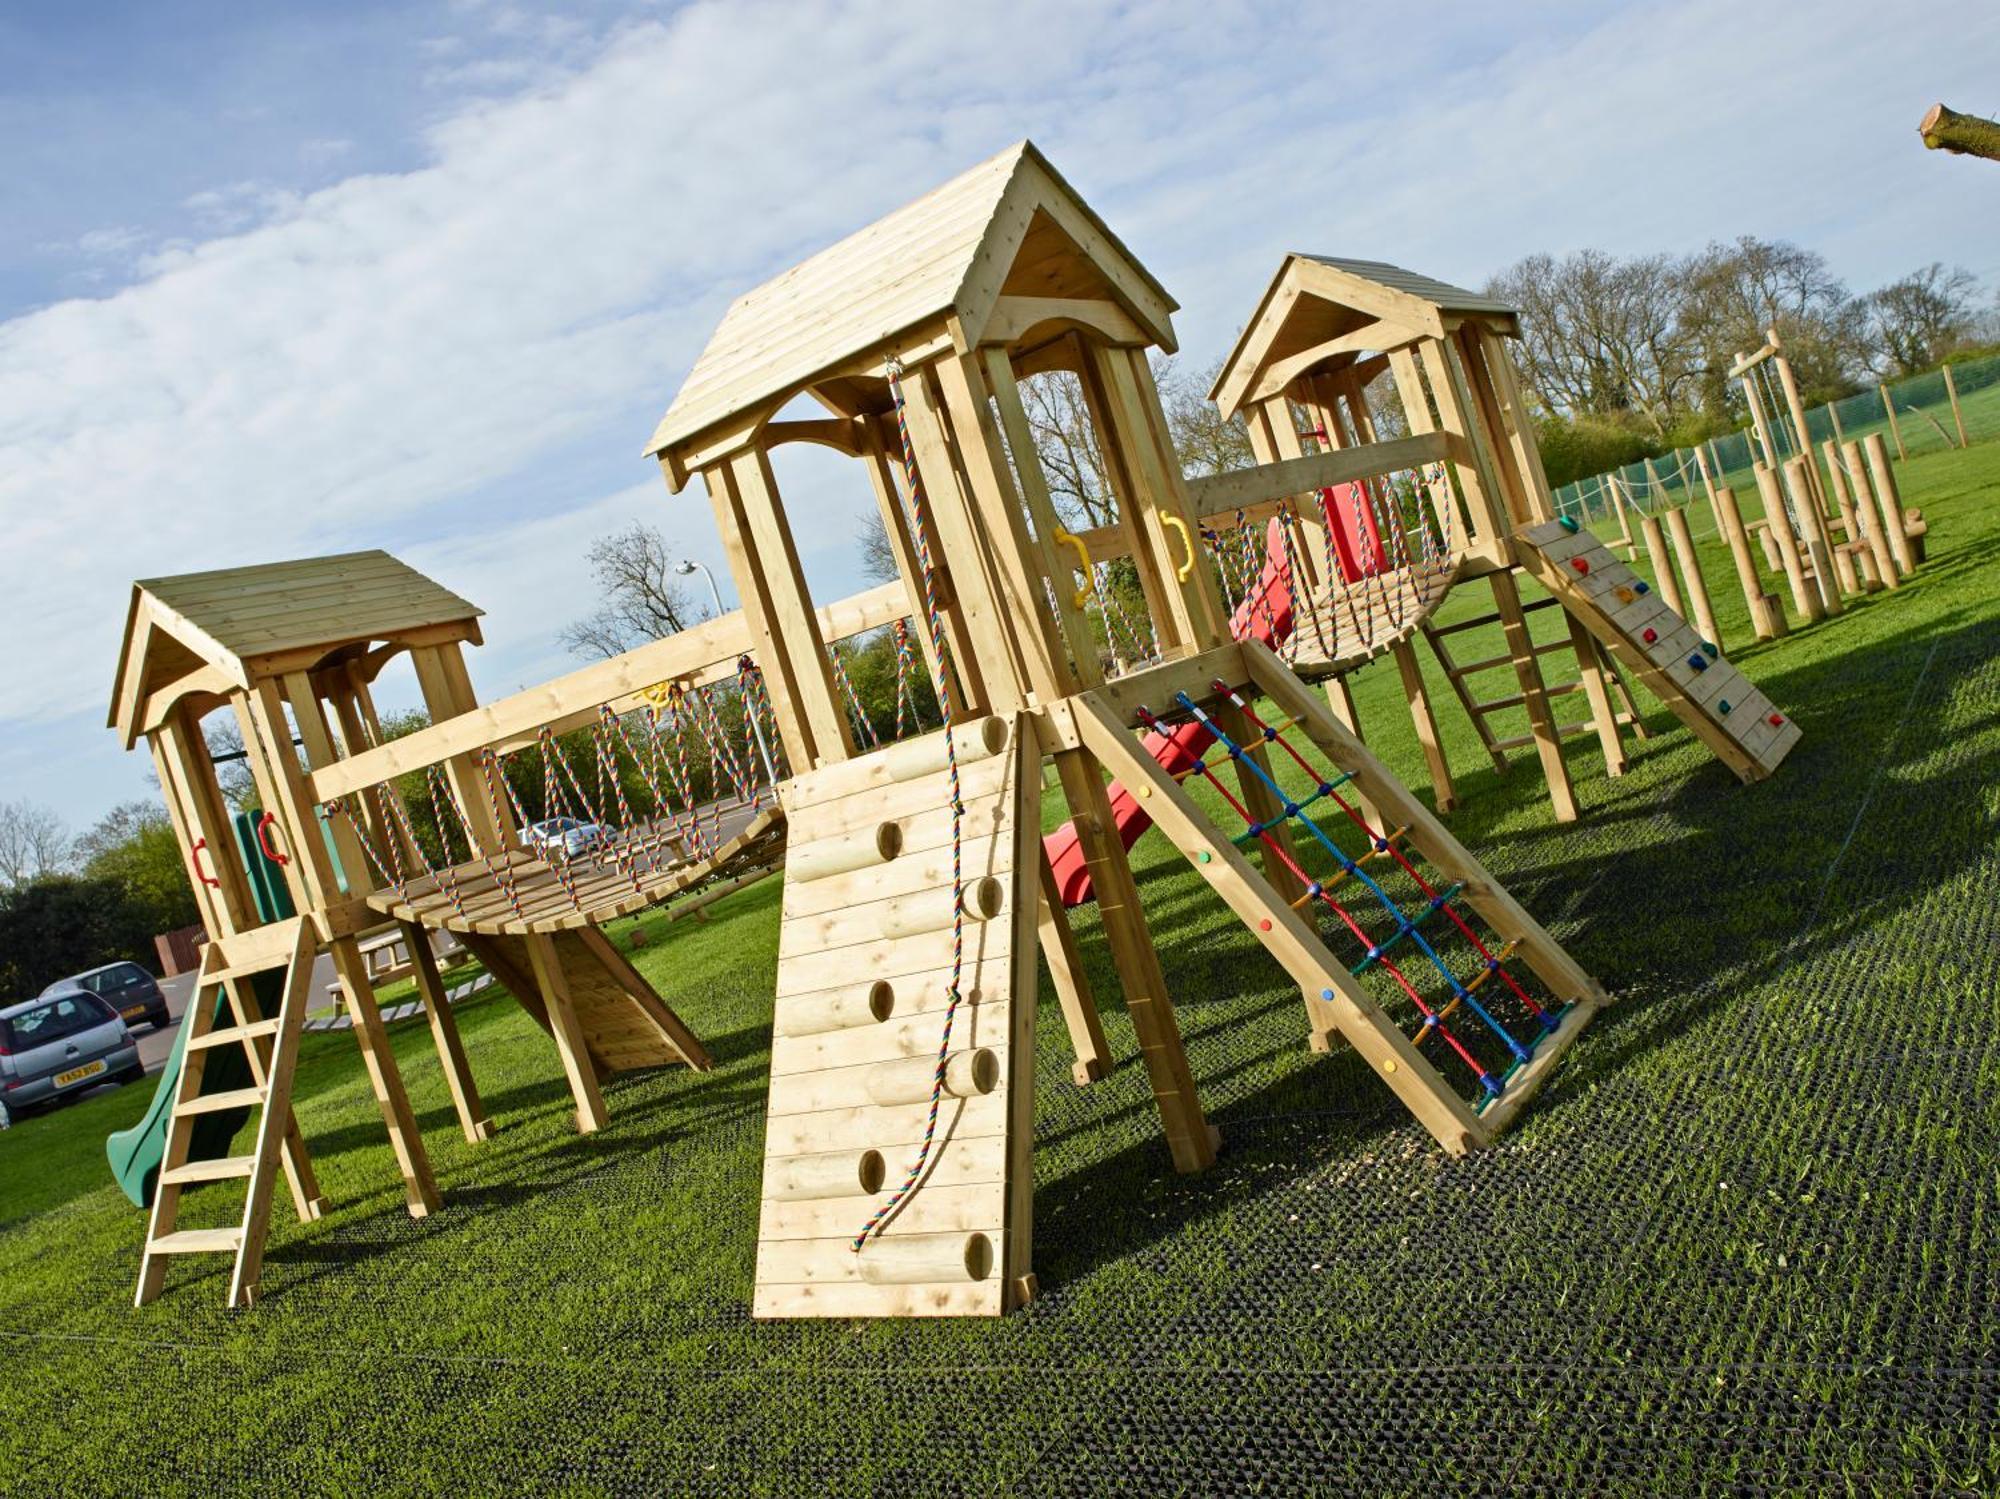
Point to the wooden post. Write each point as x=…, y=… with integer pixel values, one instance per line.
x=1805, y=599
x=1871, y=514
x=1957, y=416
x=419, y=1187
x=1425, y=721
x=1889, y=410
x=569, y=1038
x=1890, y=501
x=1803, y=447
x=1528, y=671
x=1798, y=479
x=1191, y=1140
x=1697, y=585
x=444, y=1032
x=1619, y=505
x=1767, y=620
x=1708, y=481
x=1663, y=567
x=1836, y=478
x=1079, y=1007
x=1759, y=418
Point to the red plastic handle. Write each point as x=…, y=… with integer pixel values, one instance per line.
x=195, y=853
x=264, y=825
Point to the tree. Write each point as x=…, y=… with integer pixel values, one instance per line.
x=232, y=766
x=61, y=924
x=634, y=573
x=34, y=843
x=1206, y=443
x=1735, y=291
x=134, y=846
x=1920, y=319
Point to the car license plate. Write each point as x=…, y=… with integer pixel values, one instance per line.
x=131, y=1010
x=78, y=1074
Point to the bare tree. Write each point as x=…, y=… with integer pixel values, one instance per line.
x=232, y=766
x=878, y=558
x=1206, y=443
x=1920, y=319
x=34, y=842
x=1072, y=462
x=633, y=570
x=1734, y=292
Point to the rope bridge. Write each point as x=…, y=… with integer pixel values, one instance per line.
x=637, y=808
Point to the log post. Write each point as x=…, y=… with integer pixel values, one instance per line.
x=1945, y=129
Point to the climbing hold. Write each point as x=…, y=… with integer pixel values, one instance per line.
x=1649, y=635
x=1568, y=523
x=1202, y=857
x=1723, y=704
x=1777, y=720
x=1711, y=649
x=1698, y=662
x=1581, y=564
x=1625, y=595
x=1264, y=925
x=1643, y=586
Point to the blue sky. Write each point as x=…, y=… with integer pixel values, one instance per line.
x=279, y=280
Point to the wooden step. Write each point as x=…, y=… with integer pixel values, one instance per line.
x=224, y=1168
x=217, y=1103
x=256, y=1030
x=198, y=1241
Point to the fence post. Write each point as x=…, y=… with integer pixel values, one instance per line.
x=1957, y=416
x=1889, y=410
x=1833, y=414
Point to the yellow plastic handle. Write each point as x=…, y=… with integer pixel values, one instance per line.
x=1175, y=523
x=1070, y=539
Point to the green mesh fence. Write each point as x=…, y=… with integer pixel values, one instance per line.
x=1924, y=422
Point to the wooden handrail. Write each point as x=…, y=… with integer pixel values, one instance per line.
x=706, y=652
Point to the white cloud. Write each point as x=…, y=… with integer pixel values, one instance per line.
x=461, y=362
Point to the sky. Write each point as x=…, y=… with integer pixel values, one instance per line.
x=290, y=279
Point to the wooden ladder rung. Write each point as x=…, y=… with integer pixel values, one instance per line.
x=234, y=1033
x=217, y=1103
x=1558, y=689
x=197, y=1241
x=224, y=1168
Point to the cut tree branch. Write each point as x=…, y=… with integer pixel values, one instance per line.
x=1968, y=135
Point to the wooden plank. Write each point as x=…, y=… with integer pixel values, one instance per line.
x=458, y=1077
x=1224, y=493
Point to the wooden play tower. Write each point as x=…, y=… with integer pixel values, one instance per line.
x=897, y=1176
x=290, y=652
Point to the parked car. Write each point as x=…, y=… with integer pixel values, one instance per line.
x=568, y=836
x=126, y=987
x=61, y=1044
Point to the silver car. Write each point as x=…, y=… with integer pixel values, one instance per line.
x=61, y=1044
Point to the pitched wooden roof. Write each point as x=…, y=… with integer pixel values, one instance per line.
x=1010, y=225
x=1345, y=306
x=200, y=628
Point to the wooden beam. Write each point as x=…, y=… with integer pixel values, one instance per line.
x=1013, y=318
x=1237, y=489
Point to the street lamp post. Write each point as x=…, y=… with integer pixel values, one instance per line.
x=687, y=568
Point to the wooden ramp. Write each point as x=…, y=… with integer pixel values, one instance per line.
x=864, y=969
x=1723, y=707
x=623, y=1022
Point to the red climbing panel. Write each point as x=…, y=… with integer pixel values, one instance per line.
x=1357, y=541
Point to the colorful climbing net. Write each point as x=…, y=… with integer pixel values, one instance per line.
x=1506, y=1022
x=941, y=670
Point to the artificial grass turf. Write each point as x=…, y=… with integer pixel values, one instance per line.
x=1742, y=1242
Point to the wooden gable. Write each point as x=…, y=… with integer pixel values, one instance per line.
x=204, y=633
x=1323, y=312
x=1010, y=226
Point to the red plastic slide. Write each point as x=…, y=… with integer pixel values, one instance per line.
x=1265, y=614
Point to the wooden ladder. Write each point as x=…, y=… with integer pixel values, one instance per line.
x=1591, y=657
x=270, y=1045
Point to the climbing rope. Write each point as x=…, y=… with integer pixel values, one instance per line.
x=941, y=655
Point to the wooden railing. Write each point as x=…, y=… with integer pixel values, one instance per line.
x=707, y=652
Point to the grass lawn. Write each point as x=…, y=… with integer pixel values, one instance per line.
x=1743, y=1242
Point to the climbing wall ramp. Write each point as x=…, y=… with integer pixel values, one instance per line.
x=1708, y=694
x=865, y=967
